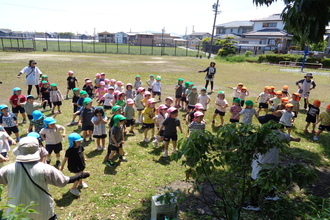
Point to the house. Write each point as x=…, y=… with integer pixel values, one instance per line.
x=106, y=37
x=194, y=43
x=5, y=32
x=144, y=39
x=199, y=35
x=131, y=38
x=163, y=39
x=234, y=27
x=121, y=38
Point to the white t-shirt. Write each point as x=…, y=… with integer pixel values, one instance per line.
x=203, y=100
x=32, y=75
x=264, y=97
x=156, y=86
x=108, y=99
x=286, y=118
x=221, y=104
x=53, y=136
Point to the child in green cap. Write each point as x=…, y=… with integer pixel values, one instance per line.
x=234, y=110
x=178, y=93
x=157, y=88
x=248, y=112
x=138, y=82
x=45, y=95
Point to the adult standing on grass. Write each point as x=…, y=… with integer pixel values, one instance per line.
x=32, y=76
x=210, y=71
x=28, y=180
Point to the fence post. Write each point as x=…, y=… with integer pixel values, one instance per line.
x=186, y=48
x=82, y=45
x=117, y=47
x=140, y=47
x=129, y=48
x=22, y=42
x=46, y=41
x=34, y=44
x=70, y=43
x=18, y=44
x=175, y=46
x=58, y=43
x=11, y=43
x=3, y=47
x=94, y=44
x=152, y=47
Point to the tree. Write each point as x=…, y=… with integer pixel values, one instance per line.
x=227, y=46
x=206, y=41
x=305, y=19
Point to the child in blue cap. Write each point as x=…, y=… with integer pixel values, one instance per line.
x=75, y=157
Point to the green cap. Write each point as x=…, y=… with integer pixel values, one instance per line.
x=221, y=92
x=87, y=101
x=137, y=76
x=203, y=89
x=151, y=75
x=115, y=108
x=180, y=79
x=53, y=84
x=44, y=76
x=75, y=89
x=44, y=82
x=83, y=92
x=194, y=87
x=158, y=78
x=249, y=102
x=118, y=118
x=237, y=100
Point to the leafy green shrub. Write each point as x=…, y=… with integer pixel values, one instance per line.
x=248, y=53
x=314, y=60
x=326, y=62
x=235, y=58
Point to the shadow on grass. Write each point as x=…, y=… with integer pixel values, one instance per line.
x=111, y=170
x=143, y=144
x=94, y=153
x=157, y=151
x=163, y=161
x=142, y=212
x=66, y=200
x=215, y=128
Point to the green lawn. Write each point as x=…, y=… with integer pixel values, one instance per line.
x=124, y=192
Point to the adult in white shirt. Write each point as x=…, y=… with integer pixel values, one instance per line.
x=32, y=76
x=28, y=180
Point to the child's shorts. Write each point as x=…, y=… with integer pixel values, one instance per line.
x=59, y=103
x=147, y=125
x=323, y=127
x=54, y=147
x=219, y=112
x=233, y=120
x=139, y=109
x=178, y=96
x=183, y=98
x=11, y=130
x=150, y=89
x=87, y=127
x=295, y=114
x=70, y=88
x=107, y=107
x=310, y=119
x=156, y=93
x=130, y=122
x=75, y=108
x=263, y=105
x=18, y=109
x=173, y=137
x=30, y=117
x=161, y=133
x=100, y=136
x=191, y=106
x=242, y=103
x=114, y=148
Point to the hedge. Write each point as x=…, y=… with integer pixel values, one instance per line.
x=276, y=58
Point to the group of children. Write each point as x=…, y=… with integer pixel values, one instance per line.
x=134, y=104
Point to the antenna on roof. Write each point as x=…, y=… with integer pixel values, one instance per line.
x=193, y=29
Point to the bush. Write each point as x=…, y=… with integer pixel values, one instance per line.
x=248, y=53
x=276, y=58
x=326, y=62
x=235, y=59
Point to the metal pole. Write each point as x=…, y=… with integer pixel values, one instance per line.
x=82, y=45
x=18, y=44
x=175, y=48
x=46, y=42
x=70, y=44
x=304, y=60
x=94, y=44
x=215, y=7
x=58, y=43
x=3, y=47
x=105, y=45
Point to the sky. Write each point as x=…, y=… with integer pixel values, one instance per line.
x=86, y=17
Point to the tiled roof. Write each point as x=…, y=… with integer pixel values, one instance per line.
x=234, y=24
x=274, y=17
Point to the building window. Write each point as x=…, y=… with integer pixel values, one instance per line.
x=231, y=30
x=269, y=24
x=271, y=41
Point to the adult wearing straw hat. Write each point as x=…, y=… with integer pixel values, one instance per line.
x=28, y=178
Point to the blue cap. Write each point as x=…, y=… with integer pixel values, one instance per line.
x=36, y=114
x=74, y=137
x=49, y=121
x=29, y=96
x=33, y=134
x=3, y=106
x=16, y=89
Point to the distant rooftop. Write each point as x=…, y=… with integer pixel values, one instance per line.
x=268, y=32
x=234, y=24
x=274, y=17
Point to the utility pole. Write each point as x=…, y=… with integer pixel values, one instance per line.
x=215, y=7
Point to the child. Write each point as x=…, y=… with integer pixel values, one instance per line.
x=9, y=121
x=85, y=119
x=51, y=133
x=210, y=71
x=71, y=80
x=275, y=100
x=146, y=97
x=168, y=102
x=37, y=120
x=138, y=82
x=112, y=83
x=75, y=98
x=324, y=121
x=158, y=120
x=44, y=78
x=184, y=95
x=312, y=115
x=129, y=114
x=271, y=92
x=119, y=86
x=285, y=91
x=83, y=94
x=178, y=93
x=157, y=88
x=203, y=98
x=97, y=80
x=264, y=98
x=138, y=103
x=88, y=87
x=150, y=82
x=148, y=115
x=287, y=117
x=108, y=99
x=197, y=124
x=99, y=132
x=244, y=92
x=248, y=112
x=15, y=100
x=237, y=90
x=100, y=92
x=45, y=95
x=221, y=105
x=75, y=157
x=281, y=106
x=304, y=86
x=170, y=132
x=5, y=139
x=190, y=116
x=234, y=110
x=30, y=105
x=56, y=97
x=117, y=140
x=121, y=100
x=192, y=98
x=130, y=94
x=295, y=102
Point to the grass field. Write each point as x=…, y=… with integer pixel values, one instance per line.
x=124, y=192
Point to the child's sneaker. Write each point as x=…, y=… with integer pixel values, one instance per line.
x=314, y=131
x=66, y=97
x=110, y=163
x=146, y=140
x=58, y=163
x=85, y=140
x=306, y=131
x=250, y=207
x=72, y=123
x=24, y=121
x=103, y=148
x=83, y=185
x=272, y=198
x=155, y=142
x=75, y=191
x=165, y=154
x=99, y=148
x=18, y=139
x=315, y=138
x=43, y=110
x=123, y=159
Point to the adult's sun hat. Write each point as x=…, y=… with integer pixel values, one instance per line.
x=249, y=102
x=36, y=114
x=74, y=137
x=27, y=150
